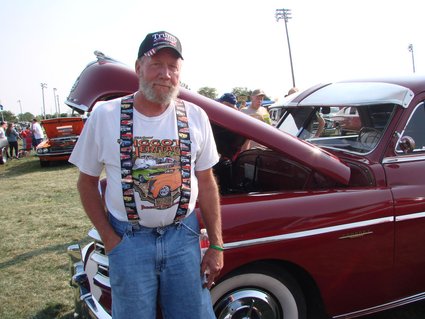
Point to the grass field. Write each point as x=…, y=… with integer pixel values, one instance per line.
x=40, y=216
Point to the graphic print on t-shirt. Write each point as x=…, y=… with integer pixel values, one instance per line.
x=157, y=171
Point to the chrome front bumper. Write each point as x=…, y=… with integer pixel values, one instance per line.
x=85, y=305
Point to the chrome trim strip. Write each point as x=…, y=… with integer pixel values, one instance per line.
x=80, y=107
x=403, y=159
x=96, y=308
x=93, y=233
x=53, y=154
x=100, y=259
x=410, y=216
x=382, y=307
x=307, y=233
x=103, y=280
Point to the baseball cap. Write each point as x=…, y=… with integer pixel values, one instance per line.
x=258, y=92
x=228, y=97
x=156, y=41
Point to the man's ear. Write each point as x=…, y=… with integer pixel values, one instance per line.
x=137, y=66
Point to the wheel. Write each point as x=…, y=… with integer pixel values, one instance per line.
x=259, y=295
x=164, y=191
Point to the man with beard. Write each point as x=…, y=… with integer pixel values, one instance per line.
x=152, y=241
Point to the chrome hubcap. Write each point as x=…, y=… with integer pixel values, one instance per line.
x=248, y=303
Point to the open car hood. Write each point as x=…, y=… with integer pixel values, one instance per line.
x=63, y=126
x=106, y=78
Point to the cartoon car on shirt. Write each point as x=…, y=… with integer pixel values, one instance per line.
x=165, y=184
x=314, y=226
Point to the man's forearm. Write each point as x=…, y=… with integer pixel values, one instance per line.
x=209, y=203
x=93, y=206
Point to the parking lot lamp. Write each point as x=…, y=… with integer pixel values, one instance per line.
x=54, y=100
x=43, y=86
x=20, y=107
x=285, y=14
x=59, y=107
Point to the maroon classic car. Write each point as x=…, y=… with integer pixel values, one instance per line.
x=315, y=224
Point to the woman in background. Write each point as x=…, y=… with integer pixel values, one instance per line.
x=12, y=137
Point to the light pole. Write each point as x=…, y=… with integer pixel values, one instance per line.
x=43, y=86
x=285, y=14
x=20, y=107
x=410, y=48
x=54, y=99
x=59, y=107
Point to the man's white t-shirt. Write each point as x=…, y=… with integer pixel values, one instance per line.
x=38, y=131
x=156, y=166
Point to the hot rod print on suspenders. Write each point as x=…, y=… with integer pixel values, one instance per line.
x=126, y=154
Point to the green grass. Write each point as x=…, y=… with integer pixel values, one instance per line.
x=40, y=216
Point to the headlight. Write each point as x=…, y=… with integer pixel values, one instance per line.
x=42, y=150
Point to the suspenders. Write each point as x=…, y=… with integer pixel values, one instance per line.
x=126, y=155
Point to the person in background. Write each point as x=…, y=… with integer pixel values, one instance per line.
x=3, y=126
x=255, y=109
x=228, y=99
x=242, y=105
x=37, y=132
x=26, y=136
x=151, y=233
x=12, y=138
x=3, y=140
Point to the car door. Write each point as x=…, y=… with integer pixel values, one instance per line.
x=406, y=178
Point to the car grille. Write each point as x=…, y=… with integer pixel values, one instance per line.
x=101, y=279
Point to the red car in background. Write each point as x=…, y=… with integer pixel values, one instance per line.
x=62, y=135
x=315, y=225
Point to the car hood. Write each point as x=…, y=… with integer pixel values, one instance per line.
x=106, y=78
x=63, y=127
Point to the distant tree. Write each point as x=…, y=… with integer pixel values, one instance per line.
x=208, y=92
x=242, y=94
x=8, y=116
x=26, y=117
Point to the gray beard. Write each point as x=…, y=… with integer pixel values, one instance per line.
x=150, y=94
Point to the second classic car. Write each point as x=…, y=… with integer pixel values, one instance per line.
x=317, y=223
x=62, y=134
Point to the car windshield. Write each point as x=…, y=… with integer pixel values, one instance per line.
x=350, y=128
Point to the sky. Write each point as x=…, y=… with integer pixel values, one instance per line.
x=226, y=43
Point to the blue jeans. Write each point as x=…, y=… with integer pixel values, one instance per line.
x=158, y=265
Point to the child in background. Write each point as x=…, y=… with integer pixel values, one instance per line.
x=26, y=136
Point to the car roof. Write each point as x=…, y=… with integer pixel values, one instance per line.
x=353, y=94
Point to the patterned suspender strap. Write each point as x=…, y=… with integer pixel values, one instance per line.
x=185, y=160
x=126, y=154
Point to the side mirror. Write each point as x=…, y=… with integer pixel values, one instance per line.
x=407, y=144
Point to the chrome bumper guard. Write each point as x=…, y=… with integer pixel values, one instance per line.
x=85, y=305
